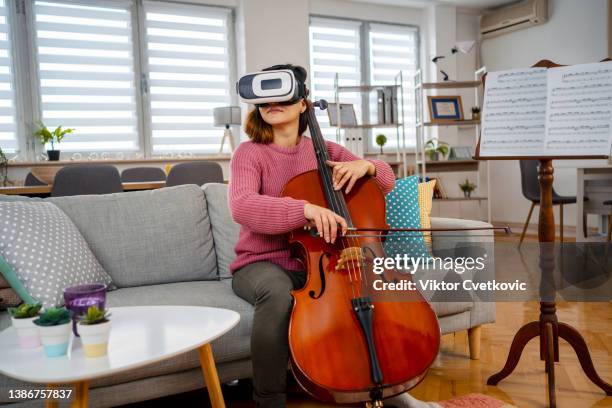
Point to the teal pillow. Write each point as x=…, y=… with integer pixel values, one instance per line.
x=403, y=212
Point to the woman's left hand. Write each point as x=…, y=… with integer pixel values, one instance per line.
x=347, y=173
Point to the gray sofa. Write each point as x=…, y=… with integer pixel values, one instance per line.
x=173, y=246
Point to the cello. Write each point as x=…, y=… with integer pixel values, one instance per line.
x=346, y=345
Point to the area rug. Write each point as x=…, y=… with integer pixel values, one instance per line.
x=474, y=401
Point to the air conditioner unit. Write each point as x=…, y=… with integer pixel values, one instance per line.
x=514, y=17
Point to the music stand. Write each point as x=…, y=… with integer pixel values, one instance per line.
x=547, y=328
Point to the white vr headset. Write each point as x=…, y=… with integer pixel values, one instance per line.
x=280, y=86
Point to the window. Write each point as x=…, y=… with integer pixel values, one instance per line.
x=134, y=78
x=8, y=131
x=334, y=48
x=86, y=73
x=363, y=53
x=394, y=49
x=188, y=56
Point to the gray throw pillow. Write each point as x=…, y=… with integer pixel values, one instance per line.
x=224, y=229
x=147, y=237
x=44, y=252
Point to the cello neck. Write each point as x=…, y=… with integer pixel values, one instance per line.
x=335, y=199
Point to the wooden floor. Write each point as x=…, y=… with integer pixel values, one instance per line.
x=454, y=374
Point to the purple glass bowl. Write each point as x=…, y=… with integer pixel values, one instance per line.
x=78, y=299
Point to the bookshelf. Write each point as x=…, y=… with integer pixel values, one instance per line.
x=399, y=124
x=423, y=127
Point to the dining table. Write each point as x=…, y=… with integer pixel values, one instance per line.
x=46, y=189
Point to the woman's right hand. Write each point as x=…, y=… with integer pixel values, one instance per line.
x=326, y=221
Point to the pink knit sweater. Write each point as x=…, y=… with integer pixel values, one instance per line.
x=258, y=174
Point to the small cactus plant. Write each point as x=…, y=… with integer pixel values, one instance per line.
x=53, y=316
x=94, y=316
x=25, y=310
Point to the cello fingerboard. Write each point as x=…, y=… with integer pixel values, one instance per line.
x=335, y=198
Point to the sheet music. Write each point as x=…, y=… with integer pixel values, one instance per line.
x=563, y=111
x=514, y=113
x=579, y=115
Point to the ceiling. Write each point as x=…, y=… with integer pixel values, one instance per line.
x=467, y=4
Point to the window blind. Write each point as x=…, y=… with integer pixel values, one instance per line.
x=188, y=58
x=334, y=48
x=8, y=133
x=85, y=63
x=393, y=49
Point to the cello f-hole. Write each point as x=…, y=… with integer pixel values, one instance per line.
x=321, y=276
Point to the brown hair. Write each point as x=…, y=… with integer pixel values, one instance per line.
x=260, y=131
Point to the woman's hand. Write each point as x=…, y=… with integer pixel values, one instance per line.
x=350, y=172
x=326, y=221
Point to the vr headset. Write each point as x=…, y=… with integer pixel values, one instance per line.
x=264, y=87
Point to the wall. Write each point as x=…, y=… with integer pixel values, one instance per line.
x=275, y=32
x=576, y=33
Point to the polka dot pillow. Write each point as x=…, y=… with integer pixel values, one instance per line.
x=42, y=252
x=403, y=212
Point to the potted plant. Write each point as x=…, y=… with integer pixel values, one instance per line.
x=435, y=148
x=3, y=168
x=45, y=136
x=54, y=328
x=22, y=318
x=475, y=113
x=94, y=329
x=381, y=140
x=467, y=187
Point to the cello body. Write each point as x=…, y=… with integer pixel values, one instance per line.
x=337, y=353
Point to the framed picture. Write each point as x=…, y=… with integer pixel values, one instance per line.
x=445, y=108
x=347, y=114
x=460, y=153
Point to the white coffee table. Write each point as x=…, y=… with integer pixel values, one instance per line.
x=140, y=336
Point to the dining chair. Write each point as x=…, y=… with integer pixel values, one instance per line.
x=83, y=179
x=32, y=180
x=609, y=202
x=199, y=173
x=530, y=186
x=142, y=174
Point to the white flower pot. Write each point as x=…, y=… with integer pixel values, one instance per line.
x=27, y=332
x=95, y=338
x=55, y=339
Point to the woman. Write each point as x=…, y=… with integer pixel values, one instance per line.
x=264, y=273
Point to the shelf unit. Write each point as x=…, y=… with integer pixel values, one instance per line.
x=422, y=164
x=364, y=90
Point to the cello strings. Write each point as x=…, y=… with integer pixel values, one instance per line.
x=335, y=196
x=335, y=201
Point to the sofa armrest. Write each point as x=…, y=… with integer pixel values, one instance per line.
x=462, y=243
x=448, y=239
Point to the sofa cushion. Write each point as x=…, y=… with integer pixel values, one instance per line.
x=233, y=345
x=42, y=252
x=147, y=237
x=224, y=229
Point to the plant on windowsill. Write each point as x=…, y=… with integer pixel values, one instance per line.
x=44, y=135
x=54, y=326
x=94, y=329
x=381, y=140
x=22, y=319
x=435, y=148
x=3, y=168
x=467, y=187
